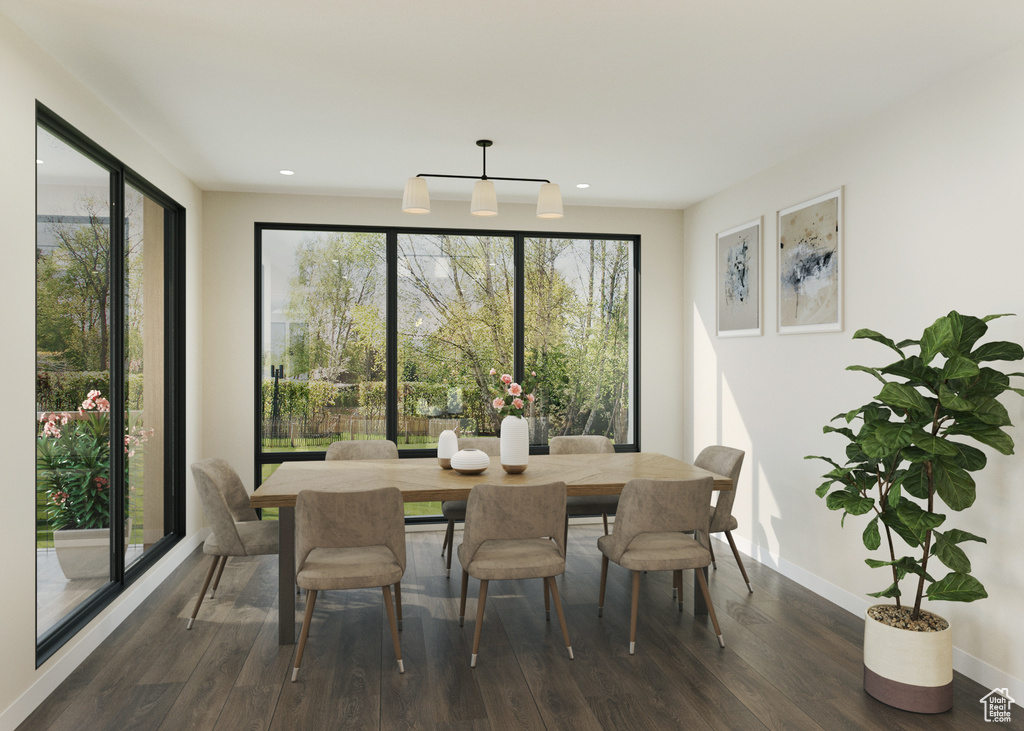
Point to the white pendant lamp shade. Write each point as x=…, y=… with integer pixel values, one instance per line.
x=416, y=198
x=549, y=201
x=485, y=201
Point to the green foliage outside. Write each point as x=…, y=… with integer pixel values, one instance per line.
x=909, y=460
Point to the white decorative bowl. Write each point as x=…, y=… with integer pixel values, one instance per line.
x=470, y=461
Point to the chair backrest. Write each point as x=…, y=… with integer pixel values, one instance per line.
x=491, y=446
x=661, y=506
x=587, y=444
x=349, y=519
x=225, y=502
x=727, y=462
x=362, y=449
x=504, y=512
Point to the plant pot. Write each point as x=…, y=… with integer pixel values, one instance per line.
x=909, y=670
x=515, y=444
x=83, y=553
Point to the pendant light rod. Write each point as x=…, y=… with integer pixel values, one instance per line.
x=484, y=144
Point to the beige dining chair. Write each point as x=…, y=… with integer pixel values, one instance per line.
x=236, y=530
x=649, y=534
x=579, y=505
x=362, y=449
x=455, y=510
x=512, y=532
x=724, y=461
x=350, y=540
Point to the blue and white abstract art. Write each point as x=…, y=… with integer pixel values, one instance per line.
x=810, y=261
x=739, y=280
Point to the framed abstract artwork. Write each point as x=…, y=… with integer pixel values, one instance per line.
x=738, y=291
x=810, y=265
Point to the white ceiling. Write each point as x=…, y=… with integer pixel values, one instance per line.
x=655, y=103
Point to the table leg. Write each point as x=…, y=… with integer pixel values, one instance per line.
x=699, y=605
x=286, y=576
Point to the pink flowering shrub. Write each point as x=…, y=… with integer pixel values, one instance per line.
x=73, y=464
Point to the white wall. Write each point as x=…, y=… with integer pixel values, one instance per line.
x=933, y=194
x=229, y=271
x=27, y=74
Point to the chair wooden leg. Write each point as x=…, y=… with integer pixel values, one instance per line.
x=310, y=603
x=451, y=550
x=394, y=626
x=711, y=607
x=604, y=580
x=633, y=606
x=398, y=603
x=711, y=548
x=604, y=517
x=739, y=561
x=565, y=533
x=481, y=600
x=547, y=601
x=448, y=532
x=202, y=592
x=550, y=581
x=216, y=580
x=677, y=580
x=462, y=599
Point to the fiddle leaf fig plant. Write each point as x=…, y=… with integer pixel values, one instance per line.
x=910, y=453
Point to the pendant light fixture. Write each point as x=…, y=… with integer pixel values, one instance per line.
x=485, y=200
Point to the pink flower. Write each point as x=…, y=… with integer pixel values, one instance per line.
x=517, y=402
x=50, y=429
x=515, y=389
x=102, y=404
x=531, y=398
x=533, y=373
x=506, y=379
x=87, y=404
x=493, y=372
x=92, y=394
x=498, y=402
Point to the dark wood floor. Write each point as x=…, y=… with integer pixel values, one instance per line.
x=792, y=660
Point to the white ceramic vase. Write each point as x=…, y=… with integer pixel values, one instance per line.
x=909, y=670
x=447, y=446
x=470, y=461
x=515, y=444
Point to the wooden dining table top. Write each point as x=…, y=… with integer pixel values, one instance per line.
x=423, y=480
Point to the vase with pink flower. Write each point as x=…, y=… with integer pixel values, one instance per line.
x=512, y=403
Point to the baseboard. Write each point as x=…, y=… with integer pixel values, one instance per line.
x=59, y=667
x=975, y=669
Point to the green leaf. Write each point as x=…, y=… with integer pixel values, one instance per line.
x=892, y=592
x=957, y=587
x=934, y=445
x=892, y=520
x=950, y=399
x=824, y=459
x=970, y=458
x=901, y=396
x=955, y=535
x=866, y=334
x=872, y=538
x=991, y=412
x=937, y=338
x=851, y=503
x=886, y=438
x=874, y=372
x=917, y=520
x=913, y=369
x=991, y=436
x=950, y=554
x=844, y=430
x=998, y=350
x=959, y=366
x=953, y=483
x=823, y=488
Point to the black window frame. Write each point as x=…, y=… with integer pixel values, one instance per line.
x=174, y=379
x=391, y=234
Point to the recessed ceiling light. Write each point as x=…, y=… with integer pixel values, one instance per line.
x=582, y=185
x=287, y=172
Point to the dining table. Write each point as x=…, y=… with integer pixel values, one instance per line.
x=422, y=479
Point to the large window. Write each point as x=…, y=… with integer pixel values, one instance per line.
x=392, y=334
x=107, y=480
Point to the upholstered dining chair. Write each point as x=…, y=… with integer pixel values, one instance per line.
x=725, y=461
x=455, y=510
x=236, y=530
x=362, y=449
x=350, y=540
x=603, y=505
x=650, y=535
x=512, y=532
